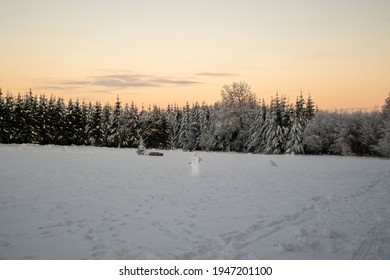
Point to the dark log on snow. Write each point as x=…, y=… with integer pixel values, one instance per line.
x=158, y=154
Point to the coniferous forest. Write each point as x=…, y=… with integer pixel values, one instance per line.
x=238, y=122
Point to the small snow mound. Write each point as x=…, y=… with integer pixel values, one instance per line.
x=65, y=149
x=273, y=163
x=26, y=147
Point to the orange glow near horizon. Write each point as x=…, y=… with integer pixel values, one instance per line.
x=171, y=52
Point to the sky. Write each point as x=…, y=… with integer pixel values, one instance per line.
x=172, y=51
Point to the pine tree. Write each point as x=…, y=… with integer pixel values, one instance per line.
x=78, y=125
x=132, y=126
x=50, y=122
x=383, y=146
x=41, y=118
x=85, y=119
x=169, y=115
x=386, y=108
x=18, y=123
x=115, y=136
x=4, y=120
x=341, y=144
x=309, y=110
x=176, y=125
x=96, y=133
x=194, y=128
x=9, y=118
x=106, y=123
x=183, y=140
x=32, y=117
x=256, y=139
x=59, y=122
x=294, y=143
x=275, y=133
x=69, y=129
x=207, y=126
x=154, y=129
x=384, y=142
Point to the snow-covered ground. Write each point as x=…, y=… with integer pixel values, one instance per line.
x=99, y=203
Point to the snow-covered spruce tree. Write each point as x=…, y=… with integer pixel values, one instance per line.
x=384, y=143
x=207, y=127
x=2, y=118
x=106, y=123
x=370, y=133
x=169, y=115
x=341, y=144
x=133, y=124
x=319, y=133
x=383, y=146
x=175, y=125
x=15, y=106
x=218, y=143
x=11, y=107
x=310, y=109
x=194, y=127
x=114, y=126
x=256, y=139
x=28, y=126
x=236, y=113
x=123, y=132
x=35, y=119
x=59, y=123
x=5, y=120
x=276, y=132
x=154, y=129
x=78, y=125
x=96, y=132
x=361, y=133
x=183, y=139
x=129, y=126
x=294, y=143
x=42, y=120
x=85, y=119
x=386, y=109
x=153, y=138
x=164, y=131
x=21, y=117
x=50, y=121
x=70, y=130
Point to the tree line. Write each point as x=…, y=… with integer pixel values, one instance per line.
x=238, y=122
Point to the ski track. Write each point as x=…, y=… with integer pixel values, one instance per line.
x=235, y=242
x=177, y=221
x=378, y=234
x=369, y=246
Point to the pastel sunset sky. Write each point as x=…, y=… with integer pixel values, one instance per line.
x=173, y=51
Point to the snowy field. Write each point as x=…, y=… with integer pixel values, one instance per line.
x=99, y=203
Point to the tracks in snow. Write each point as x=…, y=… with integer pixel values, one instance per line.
x=315, y=213
x=369, y=246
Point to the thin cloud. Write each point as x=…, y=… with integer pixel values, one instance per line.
x=215, y=74
x=123, y=81
x=57, y=87
x=75, y=83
